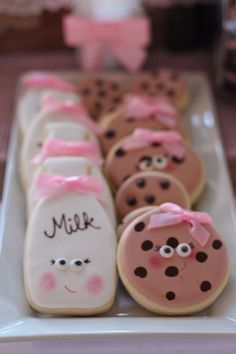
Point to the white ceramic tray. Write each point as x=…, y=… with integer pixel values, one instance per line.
x=126, y=319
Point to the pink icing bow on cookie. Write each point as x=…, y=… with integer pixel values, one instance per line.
x=142, y=138
x=172, y=214
x=51, y=104
x=44, y=80
x=53, y=148
x=141, y=107
x=51, y=185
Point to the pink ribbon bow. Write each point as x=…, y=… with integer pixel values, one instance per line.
x=50, y=185
x=141, y=107
x=44, y=80
x=125, y=39
x=54, y=148
x=51, y=104
x=172, y=214
x=142, y=138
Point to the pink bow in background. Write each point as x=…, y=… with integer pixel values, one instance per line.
x=141, y=107
x=53, y=148
x=172, y=214
x=50, y=185
x=43, y=80
x=50, y=104
x=125, y=40
x=142, y=138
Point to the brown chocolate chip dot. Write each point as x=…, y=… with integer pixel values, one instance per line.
x=147, y=245
x=160, y=86
x=170, y=295
x=201, y=257
x=99, y=82
x=116, y=100
x=98, y=105
x=205, y=286
x=140, y=272
x=144, y=85
x=131, y=201
x=171, y=271
x=114, y=86
x=110, y=134
x=85, y=92
x=102, y=93
x=165, y=184
x=216, y=244
x=139, y=226
x=120, y=152
x=171, y=93
x=140, y=182
x=172, y=242
x=150, y=199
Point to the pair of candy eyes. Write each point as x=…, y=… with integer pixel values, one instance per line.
x=183, y=250
x=157, y=161
x=76, y=264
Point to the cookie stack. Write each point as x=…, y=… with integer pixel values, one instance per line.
x=168, y=256
x=70, y=245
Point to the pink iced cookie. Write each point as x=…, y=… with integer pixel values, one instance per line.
x=139, y=112
x=149, y=188
x=147, y=150
x=162, y=83
x=173, y=261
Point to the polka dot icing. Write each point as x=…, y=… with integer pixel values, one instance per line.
x=176, y=284
x=146, y=189
x=217, y=244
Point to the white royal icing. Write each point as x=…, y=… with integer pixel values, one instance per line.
x=72, y=227
x=29, y=104
x=40, y=129
x=72, y=166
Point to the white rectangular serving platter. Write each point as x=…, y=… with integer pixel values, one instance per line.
x=126, y=320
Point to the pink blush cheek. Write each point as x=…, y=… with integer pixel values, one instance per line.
x=95, y=284
x=48, y=281
x=155, y=262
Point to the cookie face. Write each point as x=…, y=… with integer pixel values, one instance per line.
x=163, y=83
x=69, y=260
x=116, y=126
x=100, y=95
x=167, y=271
x=149, y=189
x=122, y=163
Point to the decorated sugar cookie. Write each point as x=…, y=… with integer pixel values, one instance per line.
x=147, y=150
x=70, y=248
x=148, y=189
x=162, y=83
x=173, y=261
x=100, y=95
x=35, y=86
x=68, y=166
x=139, y=112
x=53, y=111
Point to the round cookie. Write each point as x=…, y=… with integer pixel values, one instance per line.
x=139, y=112
x=146, y=150
x=172, y=261
x=100, y=95
x=149, y=189
x=163, y=83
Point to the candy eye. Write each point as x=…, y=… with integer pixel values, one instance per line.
x=160, y=161
x=145, y=163
x=77, y=264
x=184, y=250
x=166, y=251
x=61, y=263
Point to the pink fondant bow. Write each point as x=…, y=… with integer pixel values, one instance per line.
x=141, y=107
x=142, y=138
x=125, y=39
x=50, y=185
x=53, y=148
x=44, y=80
x=172, y=214
x=51, y=104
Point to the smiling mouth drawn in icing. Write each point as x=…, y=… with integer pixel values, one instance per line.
x=70, y=290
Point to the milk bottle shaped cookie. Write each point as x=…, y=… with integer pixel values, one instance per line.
x=70, y=248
